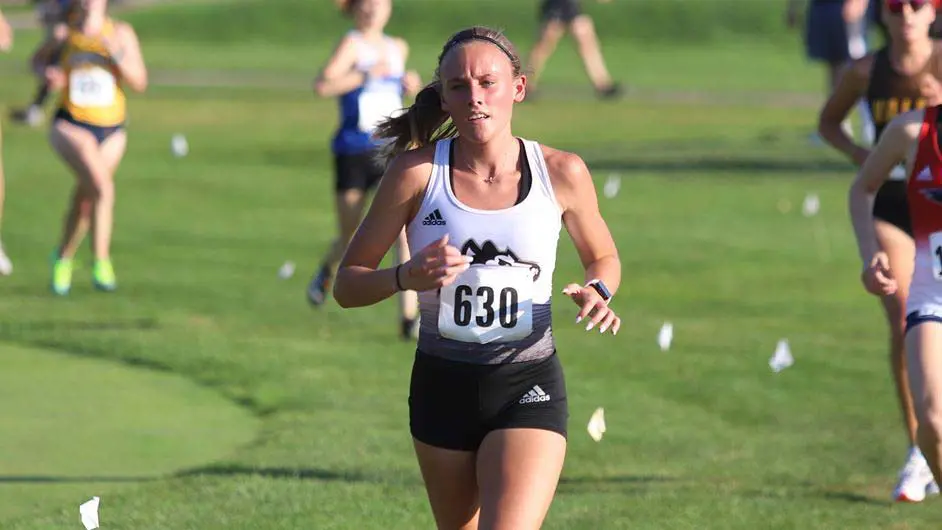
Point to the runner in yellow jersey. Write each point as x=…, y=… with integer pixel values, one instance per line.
x=95, y=60
x=6, y=42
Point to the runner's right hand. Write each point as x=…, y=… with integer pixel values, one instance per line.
x=435, y=266
x=877, y=277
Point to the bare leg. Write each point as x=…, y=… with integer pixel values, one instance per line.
x=451, y=485
x=518, y=470
x=408, y=300
x=900, y=249
x=550, y=33
x=587, y=42
x=349, y=206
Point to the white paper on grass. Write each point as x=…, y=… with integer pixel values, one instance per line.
x=782, y=358
x=286, y=271
x=89, y=513
x=596, y=425
x=665, y=336
x=811, y=206
x=612, y=185
x=179, y=146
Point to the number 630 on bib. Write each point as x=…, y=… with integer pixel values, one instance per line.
x=487, y=303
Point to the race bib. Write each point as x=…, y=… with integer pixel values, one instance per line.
x=376, y=107
x=488, y=303
x=91, y=87
x=935, y=247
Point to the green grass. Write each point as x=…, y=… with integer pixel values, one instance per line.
x=702, y=436
x=289, y=22
x=720, y=45
x=73, y=422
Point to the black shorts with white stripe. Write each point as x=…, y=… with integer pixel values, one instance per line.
x=454, y=405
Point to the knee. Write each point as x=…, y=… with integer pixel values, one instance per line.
x=350, y=198
x=84, y=192
x=86, y=203
x=583, y=28
x=101, y=188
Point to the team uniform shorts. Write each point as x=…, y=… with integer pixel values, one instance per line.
x=454, y=405
x=359, y=171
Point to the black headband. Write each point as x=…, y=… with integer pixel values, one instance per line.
x=458, y=40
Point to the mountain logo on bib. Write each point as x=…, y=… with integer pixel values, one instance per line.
x=488, y=254
x=933, y=194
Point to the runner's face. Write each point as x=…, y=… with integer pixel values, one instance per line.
x=908, y=21
x=479, y=89
x=373, y=13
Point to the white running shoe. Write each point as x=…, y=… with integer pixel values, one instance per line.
x=915, y=479
x=6, y=266
x=932, y=488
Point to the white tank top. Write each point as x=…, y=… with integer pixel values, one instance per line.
x=498, y=311
x=379, y=97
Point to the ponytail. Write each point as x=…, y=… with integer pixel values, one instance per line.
x=423, y=123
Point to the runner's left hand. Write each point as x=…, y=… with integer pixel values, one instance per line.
x=593, y=306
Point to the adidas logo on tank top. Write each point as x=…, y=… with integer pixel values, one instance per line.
x=434, y=218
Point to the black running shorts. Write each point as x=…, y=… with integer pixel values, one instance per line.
x=559, y=10
x=454, y=405
x=361, y=171
x=891, y=205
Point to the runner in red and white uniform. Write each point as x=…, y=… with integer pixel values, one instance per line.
x=911, y=138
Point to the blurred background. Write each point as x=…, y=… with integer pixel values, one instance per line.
x=206, y=393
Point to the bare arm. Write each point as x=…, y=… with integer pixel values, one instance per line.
x=359, y=282
x=126, y=54
x=411, y=81
x=575, y=193
x=48, y=50
x=851, y=86
x=338, y=75
x=44, y=60
x=854, y=10
x=6, y=34
x=897, y=143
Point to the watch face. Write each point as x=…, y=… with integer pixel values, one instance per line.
x=602, y=290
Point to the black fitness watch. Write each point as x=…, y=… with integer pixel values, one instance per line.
x=600, y=288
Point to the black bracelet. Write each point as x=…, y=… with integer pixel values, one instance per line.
x=399, y=285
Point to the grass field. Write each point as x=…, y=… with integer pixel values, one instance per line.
x=206, y=394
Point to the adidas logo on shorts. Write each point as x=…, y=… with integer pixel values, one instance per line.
x=535, y=395
x=434, y=218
